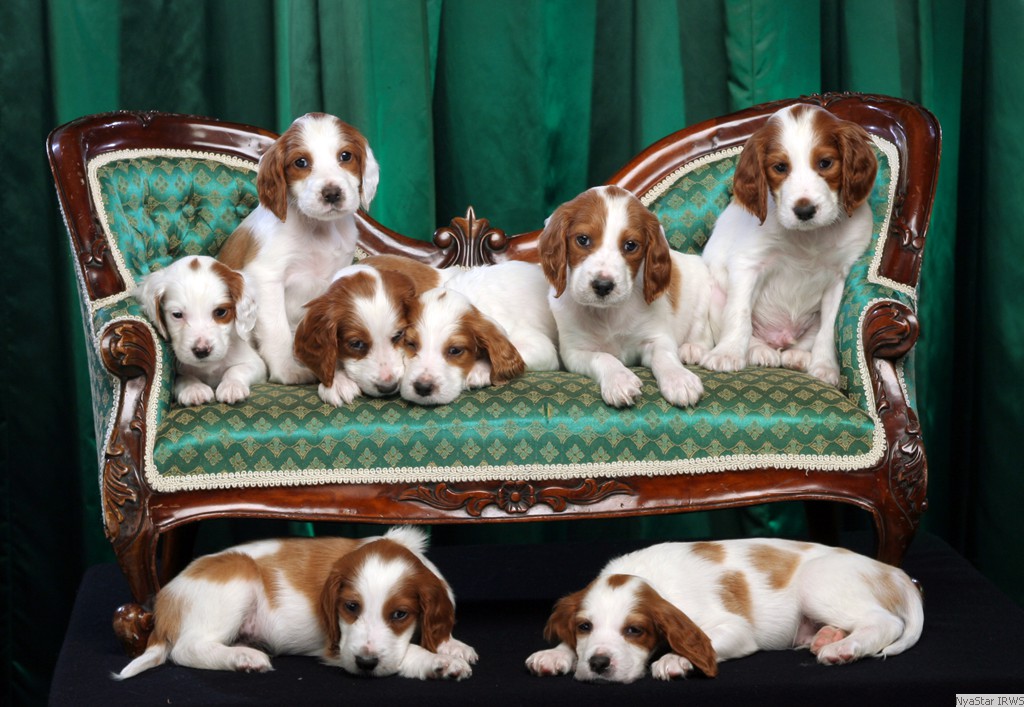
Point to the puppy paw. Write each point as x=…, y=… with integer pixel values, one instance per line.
x=291, y=374
x=231, y=392
x=457, y=649
x=670, y=667
x=250, y=660
x=841, y=652
x=825, y=636
x=550, y=662
x=724, y=359
x=692, y=354
x=341, y=392
x=764, y=356
x=479, y=375
x=196, y=393
x=796, y=360
x=621, y=389
x=449, y=667
x=825, y=372
x=682, y=388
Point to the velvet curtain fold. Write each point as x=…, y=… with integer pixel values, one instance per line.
x=511, y=106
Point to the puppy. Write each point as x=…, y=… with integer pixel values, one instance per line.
x=780, y=253
x=713, y=601
x=357, y=604
x=310, y=183
x=621, y=297
x=204, y=309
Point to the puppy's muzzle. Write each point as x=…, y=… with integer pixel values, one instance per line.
x=201, y=351
x=599, y=663
x=367, y=664
x=423, y=387
x=387, y=388
x=804, y=211
x=602, y=287
x=331, y=194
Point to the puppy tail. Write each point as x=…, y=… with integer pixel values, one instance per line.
x=154, y=655
x=912, y=612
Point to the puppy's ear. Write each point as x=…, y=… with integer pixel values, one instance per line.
x=506, y=363
x=316, y=338
x=684, y=637
x=657, y=259
x=561, y=625
x=150, y=294
x=749, y=184
x=401, y=289
x=271, y=183
x=370, y=180
x=330, y=600
x=238, y=291
x=859, y=165
x=437, y=612
x=554, y=254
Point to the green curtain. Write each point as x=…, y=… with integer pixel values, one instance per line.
x=511, y=106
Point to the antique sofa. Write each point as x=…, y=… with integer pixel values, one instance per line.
x=140, y=189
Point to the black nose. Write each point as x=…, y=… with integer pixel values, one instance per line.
x=201, y=351
x=331, y=194
x=805, y=212
x=602, y=287
x=599, y=663
x=423, y=388
x=387, y=388
x=366, y=664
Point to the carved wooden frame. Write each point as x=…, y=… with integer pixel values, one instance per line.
x=137, y=518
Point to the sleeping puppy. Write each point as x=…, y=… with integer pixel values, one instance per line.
x=372, y=607
x=714, y=601
x=204, y=309
x=781, y=251
x=621, y=297
x=310, y=183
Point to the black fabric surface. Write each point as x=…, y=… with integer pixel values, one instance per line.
x=972, y=643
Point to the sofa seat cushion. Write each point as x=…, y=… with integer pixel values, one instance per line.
x=550, y=425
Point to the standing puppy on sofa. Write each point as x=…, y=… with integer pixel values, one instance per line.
x=622, y=297
x=780, y=252
x=310, y=183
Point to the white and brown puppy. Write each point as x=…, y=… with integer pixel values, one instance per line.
x=781, y=251
x=714, y=601
x=310, y=183
x=357, y=604
x=622, y=297
x=206, y=312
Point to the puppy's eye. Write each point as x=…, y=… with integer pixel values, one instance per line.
x=220, y=313
x=399, y=615
x=345, y=157
x=456, y=350
x=584, y=627
x=634, y=631
x=825, y=163
x=397, y=336
x=178, y=315
x=780, y=167
x=411, y=345
x=357, y=344
x=630, y=246
x=301, y=163
x=583, y=241
x=351, y=607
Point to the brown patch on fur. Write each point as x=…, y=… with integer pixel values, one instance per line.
x=886, y=589
x=618, y=580
x=423, y=277
x=684, y=637
x=565, y=617
x=487, y=340
x=734, y=591
x=239, y=249
x=853, y=174
x=711, y=551
x=778, y=565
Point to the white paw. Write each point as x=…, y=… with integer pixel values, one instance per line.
x=458, y=649
x=682, y=388
x=841, y=652
x=232, y=392
x=550, y=662
x=621, y=389
x=479, y=375
x=448, y=667
x=826, y=372
x=250, y=660
x=341, y=392
x=291, y=373
x=195, y=393
x=670, y=667
x=692, y=354
x=764, y=356
x=796, y=359
x=724, y=359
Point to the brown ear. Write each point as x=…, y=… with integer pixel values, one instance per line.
x=554, y=257
x=401, y=288
x=316, y=338
x=684, y=637
x=330, y=597
x=506, y=363
x=561, y=625
x=437, y=613
x=749, y=185
x=657, y=259
x=271, y=184
x=859, y=165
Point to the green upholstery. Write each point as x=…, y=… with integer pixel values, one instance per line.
x=545, y=425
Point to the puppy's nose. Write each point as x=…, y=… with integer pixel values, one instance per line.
x=599, y=663
x=331, y=194
x=602, y=287
x=805, y=212
x=366, y=664
x=423, y=388
x=202, y=350
x=387, y=388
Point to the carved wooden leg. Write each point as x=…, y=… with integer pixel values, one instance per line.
x=133, y=622
x=176, y=553
x=132, y=626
